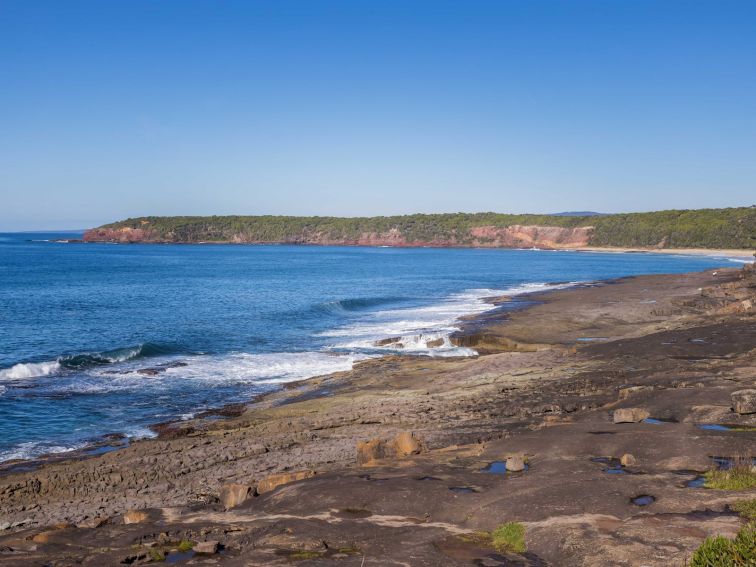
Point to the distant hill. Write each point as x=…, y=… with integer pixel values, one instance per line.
x=578, y=214
x=700, y=228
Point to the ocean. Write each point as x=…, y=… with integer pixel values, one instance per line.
x=100, y=339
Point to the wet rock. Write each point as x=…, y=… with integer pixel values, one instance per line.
x=630, y=415
x=744, y=401
x=275, y=480
x=516, y=463
x=232, y=495
x=407, y=444
x=209, y=547
x=628, y=460
x=135, y=517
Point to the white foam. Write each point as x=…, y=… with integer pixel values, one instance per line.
x=269, y=368
x=414, y=328
x=29, y=370
x=34, y=449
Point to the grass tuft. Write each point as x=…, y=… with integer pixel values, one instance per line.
x=741, y=476
x=720, y=551
x=746, y=508
x=509, y=537
x=185, y=545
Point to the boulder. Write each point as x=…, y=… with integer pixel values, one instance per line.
x=407, y=444
x=232, y=495
x=275, y=480
x=627, y=460
x=135, y=517
x=369, y=451
x=209, y=547
x=91, y=523
x=630, y=415
x=516, y=463
x=744, y=401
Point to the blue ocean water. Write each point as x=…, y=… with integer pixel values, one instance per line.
x=102, y=338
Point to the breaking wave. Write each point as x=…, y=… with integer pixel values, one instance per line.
x=426, y=330
x=26, y=370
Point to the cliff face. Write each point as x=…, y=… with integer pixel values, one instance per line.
x=515, y=236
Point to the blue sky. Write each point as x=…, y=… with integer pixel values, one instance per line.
x=127, y=108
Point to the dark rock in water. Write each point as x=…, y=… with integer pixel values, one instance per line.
x=388, y=342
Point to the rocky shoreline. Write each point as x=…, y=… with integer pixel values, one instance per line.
x=410, y=461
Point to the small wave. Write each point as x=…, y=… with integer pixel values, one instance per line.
x=29, y=370
x=89, y=359
x=34, y=449
x=351, y=305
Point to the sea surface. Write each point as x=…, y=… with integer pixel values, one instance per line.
x=97, y=339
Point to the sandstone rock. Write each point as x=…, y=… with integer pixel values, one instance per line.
x=135, y=517
x=209, y=547
x=43, y=537
x=630, y=415
x=275, y=480
x=369, y=451
x=407, y=444
x=516, y=463
x=91, y=523
x=628, y=460
x=744, y=401
x=232, y=495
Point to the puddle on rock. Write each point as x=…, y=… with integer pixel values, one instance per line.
x=613, y=465
x=500, y=467
x=643, y=500
x=713, y=427
x=179, y=556
x=659, y=421
x=697, y=482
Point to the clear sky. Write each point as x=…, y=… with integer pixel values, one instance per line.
x=111, y=109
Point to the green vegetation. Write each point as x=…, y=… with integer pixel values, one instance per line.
x=185, y=545
x=741, y=476
x=703, y=228
x=724, y=552
x=156, y=555
x=746, y=508
x=509, y=537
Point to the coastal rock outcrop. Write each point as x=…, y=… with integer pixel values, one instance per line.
x=273, y=481
x=744, y=401
x=232, y=495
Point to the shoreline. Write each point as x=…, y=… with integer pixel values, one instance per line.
x=674, y=346
x=115, y=441
x=741, y=253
